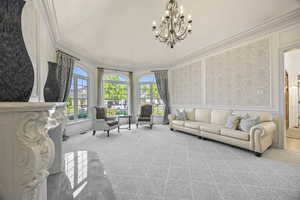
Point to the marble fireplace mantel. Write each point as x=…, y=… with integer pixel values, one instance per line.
x=26, y=150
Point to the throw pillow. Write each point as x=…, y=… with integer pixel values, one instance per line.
x=247, y=124
x=243, y=116
x=233, y=122
x=180, y=115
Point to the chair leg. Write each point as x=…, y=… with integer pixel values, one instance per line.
x=108, y=133
x=94, y=132
x=151, y=126
x=118, y=129
x=137, y=125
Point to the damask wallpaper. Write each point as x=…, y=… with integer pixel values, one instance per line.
x=239, y=77
x=186, y=84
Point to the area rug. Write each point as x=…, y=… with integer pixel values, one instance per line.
x=158, y=164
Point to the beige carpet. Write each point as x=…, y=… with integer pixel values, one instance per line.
x=158, y=164
x=293, y=133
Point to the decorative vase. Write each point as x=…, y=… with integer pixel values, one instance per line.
x=52, y=89
x=16, y=69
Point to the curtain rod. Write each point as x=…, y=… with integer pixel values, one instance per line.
x=162, y=70
x=118, y=70
x=67, y=54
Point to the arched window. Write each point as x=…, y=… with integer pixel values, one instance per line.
x=77, y=102
x=116, y=89
x=148, y=94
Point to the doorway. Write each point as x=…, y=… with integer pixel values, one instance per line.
x=292, y=99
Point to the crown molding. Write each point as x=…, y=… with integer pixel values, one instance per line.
x=269, y=26
x=272, y=25
x=47, y=10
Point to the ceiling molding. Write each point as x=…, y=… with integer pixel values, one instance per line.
x=269, y=26
x=274, y=24
x=50, y=13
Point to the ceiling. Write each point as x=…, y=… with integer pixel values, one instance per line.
x=118, y=33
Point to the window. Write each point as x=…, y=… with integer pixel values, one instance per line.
x=149, y=94
x=77, y=102
x=116, y=94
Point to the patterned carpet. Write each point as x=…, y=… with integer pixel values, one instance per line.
x=158, y=164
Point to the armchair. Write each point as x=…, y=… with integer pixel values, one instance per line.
x=146, y=116
x=104, y=123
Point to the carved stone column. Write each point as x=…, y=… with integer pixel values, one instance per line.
x=26, y=151
x=56, y=130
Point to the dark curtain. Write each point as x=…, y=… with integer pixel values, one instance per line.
x=65, y=65
x=163, y=90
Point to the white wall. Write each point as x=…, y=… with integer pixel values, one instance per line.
x=292, y=65
x=272, y=71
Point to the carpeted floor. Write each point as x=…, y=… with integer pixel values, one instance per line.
x=158, y=164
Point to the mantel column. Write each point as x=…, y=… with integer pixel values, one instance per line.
x=26, y=151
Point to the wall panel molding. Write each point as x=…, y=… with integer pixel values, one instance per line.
x=186, y=84
x=240, y=76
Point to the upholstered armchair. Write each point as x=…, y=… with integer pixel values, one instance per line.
x=104, y=123
x=145, y=117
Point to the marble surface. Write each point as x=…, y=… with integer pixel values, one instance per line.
x=83, y=178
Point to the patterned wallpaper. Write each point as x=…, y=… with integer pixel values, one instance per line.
x=186, y=84
x=239, y=77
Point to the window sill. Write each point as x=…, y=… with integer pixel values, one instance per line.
x=70, y=123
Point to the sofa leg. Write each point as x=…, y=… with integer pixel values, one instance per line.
x=203, y=138
x=151, y=126
x=199, y=137
x=137, y=125
x=257, y=154
x=171, y=129
x=94, y=132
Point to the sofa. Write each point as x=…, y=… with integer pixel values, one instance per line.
x=210, y=123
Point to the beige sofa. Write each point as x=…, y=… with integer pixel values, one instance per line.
x=206, y=123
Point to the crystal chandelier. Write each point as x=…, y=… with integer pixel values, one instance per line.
x=174, y=26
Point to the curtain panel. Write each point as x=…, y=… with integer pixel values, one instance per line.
x=65, y=65
x=163, y=90
x=132, y=103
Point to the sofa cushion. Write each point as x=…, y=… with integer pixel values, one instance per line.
x=233, y=122
x=247, y=123
x=178, y=122
x=190, y=115
x=192, y=124
x=235, y=134
x=212, y=128
x=220, y=116
x=203, y=115
x=263, y=116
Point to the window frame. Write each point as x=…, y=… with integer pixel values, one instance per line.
x=75, y=78
x=151, y=83
x=126, y=82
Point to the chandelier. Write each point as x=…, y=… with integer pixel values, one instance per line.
x=174, y=25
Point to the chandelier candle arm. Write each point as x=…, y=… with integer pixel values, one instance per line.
x=174, y=26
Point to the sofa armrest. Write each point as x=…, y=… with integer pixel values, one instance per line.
x=262, y=136
x=171, y=117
